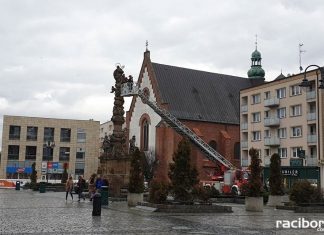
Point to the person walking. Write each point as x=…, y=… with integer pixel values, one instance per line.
x=92, y=186
x=69, y=188
x=81, y=186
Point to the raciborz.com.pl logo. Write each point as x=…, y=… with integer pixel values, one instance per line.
x=301, y=223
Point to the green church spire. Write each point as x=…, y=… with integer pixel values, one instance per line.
x=256, y=70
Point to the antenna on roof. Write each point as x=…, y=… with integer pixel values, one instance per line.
x=300, y=53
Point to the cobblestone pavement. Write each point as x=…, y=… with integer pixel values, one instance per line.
x=28, y=212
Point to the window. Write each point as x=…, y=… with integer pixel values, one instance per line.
x=281, y=93
x=266, y=114
x=81, y=136
x=267, y=95
x=281, y=113
x=282, y=152
x=267, y=152
x=48, y=134
x=295, y=90
x=64, y=154
x=48, y=153
x=30, y=153
x=65, y=134
x=80, y=154
x=110, y=127
x=295, y=110
x=79, y=168
x=256, y=117
x=256, y=135
x=213, y=144
x=256, y=99
x=294, y=151
x=237, y=152
x=282, y=133
x=32, y=133
x=296, y=131
x=267, y=134
x=145, y=135
x=13, y=152
x=14, y=132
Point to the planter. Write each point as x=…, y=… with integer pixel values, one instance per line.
x=134, y=198
x=275, y=200
x=254, y=204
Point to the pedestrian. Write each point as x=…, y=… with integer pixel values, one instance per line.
x=92, y=186
x=98, y=183
x=69, y=188
x=105, y=181
x=81, y=187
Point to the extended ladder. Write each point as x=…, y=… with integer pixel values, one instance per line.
x=178, y=126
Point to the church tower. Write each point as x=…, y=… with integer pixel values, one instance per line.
x=256, y=70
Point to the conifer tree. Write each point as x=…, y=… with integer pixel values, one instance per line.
x=255, y=183
x=136, y=177
x=183, y=177
x=275, y=179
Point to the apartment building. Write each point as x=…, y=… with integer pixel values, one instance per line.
x=52, y=144
x=282, y=117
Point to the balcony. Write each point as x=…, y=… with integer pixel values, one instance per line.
x=244, y=126
x=311, y=116
x=272, y=102
x=310, y=95
x=312, y=160
x=312, y=139
x=244, y=108
x=272, y=141
x=272, y=122
x=244, y=144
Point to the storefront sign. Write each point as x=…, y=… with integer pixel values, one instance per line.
x=290, y=172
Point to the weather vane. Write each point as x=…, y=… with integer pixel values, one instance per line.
x=256, y=42
x=300, y=55
x=146, y=45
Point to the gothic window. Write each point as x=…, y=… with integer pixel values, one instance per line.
x=145, y=135
x=213, y=144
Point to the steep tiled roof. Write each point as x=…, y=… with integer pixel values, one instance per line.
x=199, y=95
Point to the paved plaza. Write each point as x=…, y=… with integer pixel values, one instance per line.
x=28, y=212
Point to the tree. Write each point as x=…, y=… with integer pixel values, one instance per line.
x=275, y=179
x=65, y=173
x=136, y=178
x=183, y=177
x=33, y=177
x=255, y=183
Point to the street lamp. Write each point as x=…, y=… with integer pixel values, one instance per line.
x=319, y=85
x=48, y=145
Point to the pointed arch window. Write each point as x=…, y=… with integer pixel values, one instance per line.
x=213, y=144
x=145, y=122
x=145, y=135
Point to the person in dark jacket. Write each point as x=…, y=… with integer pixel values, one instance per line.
x=81, y=186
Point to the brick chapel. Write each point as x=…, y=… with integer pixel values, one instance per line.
x=207, y=103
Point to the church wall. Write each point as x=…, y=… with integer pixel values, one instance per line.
x=140, y=109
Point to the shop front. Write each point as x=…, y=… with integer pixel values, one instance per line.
x=291, y=174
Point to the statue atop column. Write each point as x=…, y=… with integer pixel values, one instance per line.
x=118, y=139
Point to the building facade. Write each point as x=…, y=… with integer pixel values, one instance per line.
x=52, y=144
x=205, y=102
x=281, y=117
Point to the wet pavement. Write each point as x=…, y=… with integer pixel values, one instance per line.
x=28, y=212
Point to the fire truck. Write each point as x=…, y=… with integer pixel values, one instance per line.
x=229, y=179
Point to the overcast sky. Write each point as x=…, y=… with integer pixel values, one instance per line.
x=57, y=57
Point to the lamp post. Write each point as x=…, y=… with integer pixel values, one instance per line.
x=48, y=145
x=319, y=85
